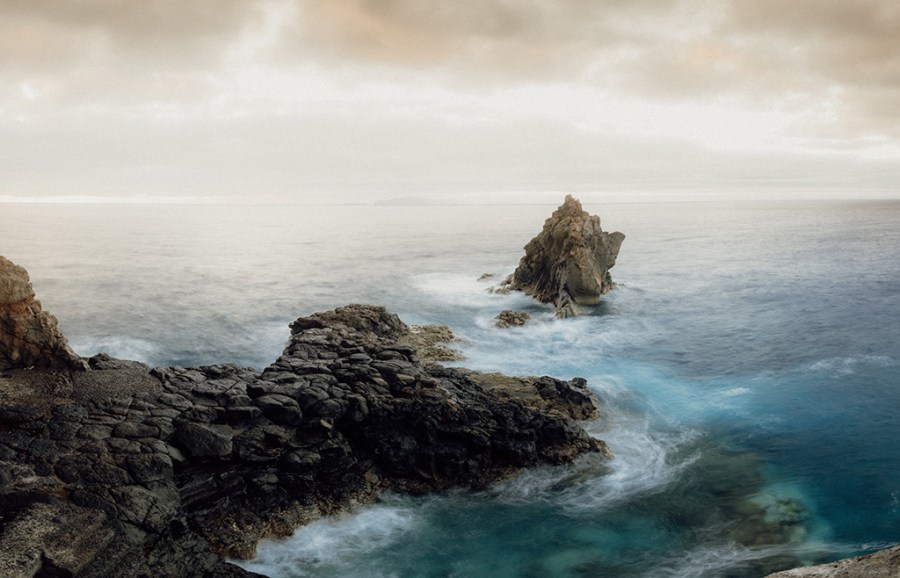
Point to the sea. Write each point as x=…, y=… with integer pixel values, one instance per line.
x=748, y=366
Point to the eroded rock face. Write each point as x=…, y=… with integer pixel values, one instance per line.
x=28, y=335
x=163, y=471
x=568, y=262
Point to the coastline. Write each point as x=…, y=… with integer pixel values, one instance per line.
x=123, y=470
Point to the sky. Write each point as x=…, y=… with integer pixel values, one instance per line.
x=378, y=100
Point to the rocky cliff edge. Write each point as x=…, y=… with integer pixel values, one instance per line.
x=123, y=470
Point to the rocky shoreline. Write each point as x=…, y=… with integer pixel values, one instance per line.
x=123, y=470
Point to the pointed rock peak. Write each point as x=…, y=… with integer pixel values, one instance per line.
x=28, y=335
x=14, y=283
x=571, y=205
x=568, y=262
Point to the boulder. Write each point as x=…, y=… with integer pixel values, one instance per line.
x=568, y=262
x=29, y=336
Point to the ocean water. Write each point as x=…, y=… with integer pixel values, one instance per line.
x=748, y=364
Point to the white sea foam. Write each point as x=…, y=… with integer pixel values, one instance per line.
x=120, y=347
x=334, y=546
x=736, y=391
x=849, y=365
x=711, y=560
x=645, y=461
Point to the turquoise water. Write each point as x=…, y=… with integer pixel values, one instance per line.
x=749, y=365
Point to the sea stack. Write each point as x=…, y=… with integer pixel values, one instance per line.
x=29, y=336
x=568, y=262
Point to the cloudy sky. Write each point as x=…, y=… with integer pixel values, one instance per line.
x=365, y=100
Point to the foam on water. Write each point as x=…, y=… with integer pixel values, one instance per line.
x=121, y=347
x=336, y=546
x=645, y=461
x=849, y=365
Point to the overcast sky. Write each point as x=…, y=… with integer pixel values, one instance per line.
x=366, y=100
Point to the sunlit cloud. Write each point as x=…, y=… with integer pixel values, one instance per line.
x=365, y=97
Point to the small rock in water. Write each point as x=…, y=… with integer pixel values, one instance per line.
x=510, y=318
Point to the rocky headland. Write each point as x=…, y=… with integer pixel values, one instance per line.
x=568, y=262
x=111, y=468
x=28, y=335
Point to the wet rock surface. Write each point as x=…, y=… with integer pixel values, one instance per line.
x=568, y=262
x=124, y=470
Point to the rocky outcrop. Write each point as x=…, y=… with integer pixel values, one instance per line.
x=568, y=262
x=883, y=564
x=28, y=335
x=509, y=318
x=123, y=470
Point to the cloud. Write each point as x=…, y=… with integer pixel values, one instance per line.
x=836, y=63
x=182, y=95
x=150, y=29
x=504, y=40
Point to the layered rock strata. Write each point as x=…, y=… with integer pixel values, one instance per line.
x=28, y=335
x=568, y=262
x=127, y=471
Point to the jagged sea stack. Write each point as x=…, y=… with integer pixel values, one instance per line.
x=28, y=335
x=568, y=262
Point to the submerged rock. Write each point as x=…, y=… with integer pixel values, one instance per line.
x=568, y=262
x=28, y=335
x=126, y=470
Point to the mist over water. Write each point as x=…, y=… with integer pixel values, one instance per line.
x=747, y=364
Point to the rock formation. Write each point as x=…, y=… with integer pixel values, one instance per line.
x=28, y=335
x=883, y=564
x=509, y=318
x=568, y=262
x=127, y=471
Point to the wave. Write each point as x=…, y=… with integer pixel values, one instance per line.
x=849, y=365
x=645, y=461
x=336, y=546
x=131, y=348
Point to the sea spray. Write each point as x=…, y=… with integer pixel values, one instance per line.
x=336, y=546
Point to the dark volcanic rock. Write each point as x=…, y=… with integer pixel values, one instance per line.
x=126, y=471
x=28, y=335
x=568, y=262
